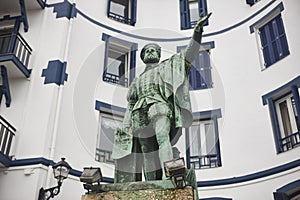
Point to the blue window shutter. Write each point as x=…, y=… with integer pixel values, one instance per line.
x=108, y=7
x=184, y=14
x=206, y=81
x=200, y=77
x=133, y=12
x=105, y=59
x=202, y=6
x=266, y=41
x=193, y=78
x=274, y=41
x=281, y=40
x=187, y=144
x=132, y=63
x=280, y=196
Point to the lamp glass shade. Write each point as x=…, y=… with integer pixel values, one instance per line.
x=61, y=170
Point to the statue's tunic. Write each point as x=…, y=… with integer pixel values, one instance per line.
x=147, y=100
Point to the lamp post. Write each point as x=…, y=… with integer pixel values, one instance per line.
x=60, y=171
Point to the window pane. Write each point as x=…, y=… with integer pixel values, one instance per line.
x=285, y=118
x=108, y=127
x=295, y=113
x=117, y=69
x=194, y=13
x=119, y=7
x=106, y=139
x=116, y=62
x=210, y=138
x=195, y=141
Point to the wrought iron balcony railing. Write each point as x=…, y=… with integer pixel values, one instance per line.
x=204, y=161
x=13, y=47
x=291, y=141
x=7, y=132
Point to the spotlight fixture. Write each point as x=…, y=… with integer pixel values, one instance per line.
x=91, y=177
x=175, y=169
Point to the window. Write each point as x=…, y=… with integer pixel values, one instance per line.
x=200, y=74
x=190, y=11
x=271, y=37
x=119, y=63
x=288, y=122
x=111, y=117
x=122, y=10
x=290, y=191
x=104, y=149
x=202, y=141
x=284, y=105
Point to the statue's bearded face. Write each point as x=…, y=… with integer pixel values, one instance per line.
x=151, y=55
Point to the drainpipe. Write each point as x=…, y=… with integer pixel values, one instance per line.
x=58, y=105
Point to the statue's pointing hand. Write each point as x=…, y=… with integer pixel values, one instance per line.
x=200, y=22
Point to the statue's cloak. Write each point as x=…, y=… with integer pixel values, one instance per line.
x=175, y=73
x=174, y=88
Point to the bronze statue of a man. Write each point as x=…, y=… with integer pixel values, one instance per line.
x=158, y=105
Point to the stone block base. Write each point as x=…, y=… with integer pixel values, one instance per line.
x=151, y=190
x=186, y=193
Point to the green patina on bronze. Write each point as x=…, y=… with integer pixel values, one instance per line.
x=158, y=107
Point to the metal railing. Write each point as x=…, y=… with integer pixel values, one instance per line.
x=13, y=43
x=290, y=141
x=119, y=18
x=104, y=156
x=112, y=78
x=7, y=132
x=204, y=161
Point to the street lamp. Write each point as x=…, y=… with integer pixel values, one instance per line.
x=60, y=171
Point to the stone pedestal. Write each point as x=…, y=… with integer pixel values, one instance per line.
x=154, y=190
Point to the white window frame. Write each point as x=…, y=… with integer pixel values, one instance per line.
x=291, y=113
x=113, y=44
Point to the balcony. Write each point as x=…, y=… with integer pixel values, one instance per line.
x=14, y=54
x=7, y=133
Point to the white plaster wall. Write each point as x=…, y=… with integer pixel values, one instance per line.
x=246, y=137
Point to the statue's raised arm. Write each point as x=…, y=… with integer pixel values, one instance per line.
x=194, y=45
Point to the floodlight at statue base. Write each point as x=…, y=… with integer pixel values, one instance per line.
x=175, y=169
x=91, y=177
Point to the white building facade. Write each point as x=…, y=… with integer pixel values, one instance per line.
x=65, y=70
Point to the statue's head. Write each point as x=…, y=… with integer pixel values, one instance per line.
x=150, y=53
